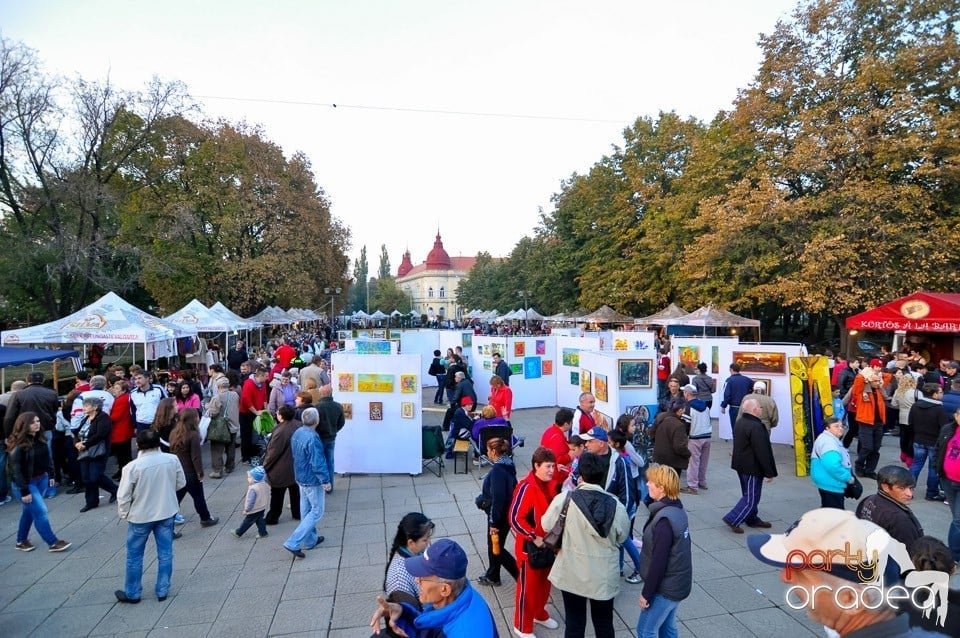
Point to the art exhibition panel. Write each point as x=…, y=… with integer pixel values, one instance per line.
x=567, y=367
x=531, y=361
x=381, y=397
x=423, y=342
x=622, y=382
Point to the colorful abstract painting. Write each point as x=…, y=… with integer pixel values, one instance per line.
x=373, y=347
x=541, y=346
x=574, y=378
x=408, y=384
x=570, y=357
x=374, y=382
x=547, y=367
x=761, y=362
x=347, y=410
x=531, y=368
x=619, y=344
x=519, y=349
x=636, y=373
x=376, y=410
x=689, y=357
x=585, y=381
x=406, y=410
x=600, y=387
x=345, y=382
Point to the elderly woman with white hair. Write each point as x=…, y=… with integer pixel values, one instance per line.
x=93, y=449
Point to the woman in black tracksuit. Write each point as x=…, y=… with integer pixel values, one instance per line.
x=497, y=491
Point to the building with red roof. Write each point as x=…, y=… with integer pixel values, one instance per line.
x=432, y=285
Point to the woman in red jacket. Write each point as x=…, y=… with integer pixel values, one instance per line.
x=530, y=502
x=122, y=430
x=501, y=397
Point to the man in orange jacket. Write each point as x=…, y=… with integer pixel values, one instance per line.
x=870, y=414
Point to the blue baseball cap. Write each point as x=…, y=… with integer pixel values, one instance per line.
x=596, y=433
x=444, y=559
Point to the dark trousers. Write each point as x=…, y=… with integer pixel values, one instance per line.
x=504, y=559
x=121, y=451
x=868, y=447
x=60, y=464
x=831, y=499
x=438, y=397
x=746, y=509
x=194, y=487
x=257, y=517
x=247, y=448
x=575, y=608
x=92, y=472
x=853, y=430
x=276, y=503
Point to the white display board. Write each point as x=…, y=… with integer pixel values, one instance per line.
x=422, y=342
x=533, y=360
x=760, y=367
x=567, y=367
x=391, y=444
x=622, y=382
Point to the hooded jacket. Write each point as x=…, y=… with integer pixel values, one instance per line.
x=498, y=487
x=588, y=561
x=925, y=419
x=467, y=616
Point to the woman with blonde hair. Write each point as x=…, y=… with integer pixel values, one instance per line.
x=903, y=399
x=501, y=397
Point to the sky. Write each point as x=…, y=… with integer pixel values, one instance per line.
x=452, y=115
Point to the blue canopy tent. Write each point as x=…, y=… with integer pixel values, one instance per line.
x=22, y=356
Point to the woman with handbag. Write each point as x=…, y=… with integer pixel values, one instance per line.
x=122, y=430
x=830, y=466
x=185, y=443
x=93, y=448
x=495, y=495
x=225, y=404
x=586, y=569
x=530, y=501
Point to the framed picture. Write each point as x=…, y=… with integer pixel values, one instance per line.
x=541, y=347
x=767, y=382
x=689, y=357
x=585, y=381
x=519, y=348
x=345, y=382
x=406, y=410
x=571, y=357
x=531, y=368
x=375, y=382
x=636, y=373
x=347, y=410
x=376, y=410
x=761, y=362
x=466, y=339
x=486, y=364
x=486, y=350
x=547, y=367
x=373, y=347
x=619, y=344
x=516, y=368
x=379, y=334
x=715, y=359
x=574, y=378
x=600, y=387
x=408, y=384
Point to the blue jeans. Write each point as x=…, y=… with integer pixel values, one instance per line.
x=137, y=535
x=659, y=620
x=328, y=455
x=4, y=488
x=920, y=455
x=438, y=397
x=35, y=512
x=311, y=511
x=632, y=550
x=952, y=491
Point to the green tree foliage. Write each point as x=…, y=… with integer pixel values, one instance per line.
x=387, y=296
x=383, y=272
x=357, y=299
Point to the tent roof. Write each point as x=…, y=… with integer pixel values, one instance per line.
x=272, y=316
x=673, y=311
x=109, y=319
x=533, y=315
x=606, y=314
x=196, y=316
x=19, y=356
x=377, y=314
x=919, y=312
x=222, y=310
x=710, y=317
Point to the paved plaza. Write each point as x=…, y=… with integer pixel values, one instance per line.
x=224, y=587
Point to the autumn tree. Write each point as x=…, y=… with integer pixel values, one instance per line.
x=357, y=299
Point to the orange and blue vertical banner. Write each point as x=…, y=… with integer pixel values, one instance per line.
x=812, y=403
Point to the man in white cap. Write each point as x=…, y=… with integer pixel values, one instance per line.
x=769, y=415
x=845, y=572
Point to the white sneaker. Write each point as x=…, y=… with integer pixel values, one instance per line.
x=521, y=634
x=549, y=623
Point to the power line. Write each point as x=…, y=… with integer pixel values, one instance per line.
x=397, y=109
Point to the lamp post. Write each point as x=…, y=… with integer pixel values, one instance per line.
x=332, y=291
x=526, y=322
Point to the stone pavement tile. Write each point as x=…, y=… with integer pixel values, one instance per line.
x=353, y=610
x=96, y=591
x=17, y=625
x=37, y=572
x=774, y=622
x=48, y=596
x=362, y=554
x=735, y=594
x=699, y=604
x=721, y=538
x=214, y=578
x=707, y=567
x=311, y=584
x=735, y=560
x=364, y=515
x=9, y=593
x=317, y=559
x=191, y=607
x=196, y=630
x=452, y=526
x=72, y=621
x=267, y=575
x=723, y=626
x=123, y=619
x=118, y=563
x=355, y=580
x=310, y=615
x=770, y=584
x=372, y=532
x=244, y=624
x=365, y=498
x=257, y=599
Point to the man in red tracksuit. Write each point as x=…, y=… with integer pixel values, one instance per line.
x=555, y=438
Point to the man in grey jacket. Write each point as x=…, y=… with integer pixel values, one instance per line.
x=147, y=500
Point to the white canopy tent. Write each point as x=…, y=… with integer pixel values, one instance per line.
x=196, y=316
x=246, y=324
x=109, y=319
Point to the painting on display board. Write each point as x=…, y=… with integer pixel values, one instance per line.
x=689, y=357
x=812, y=401
x=345, y=381
x=531, y=368
x=585, y=381
x=408, y=384
x=367, y=382
x=519, y=349
x=547, y=367
x=487, y=365
x=406, y=410
x=570, y=357
x=347, y=410
x=373, y=347
x=600, y=387
x=376, y=410
x=466, y=339
x=641, y=417
x=574, y=378
x=761, y=362
x=636, y=373
x=620, y=343
x=364, y=334
x=485, y=350
x=379, y=334
x=516, y=368
x=541, y=347
x=715, y=359
x=766, y=382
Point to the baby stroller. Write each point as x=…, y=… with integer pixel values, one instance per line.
x=262, y=429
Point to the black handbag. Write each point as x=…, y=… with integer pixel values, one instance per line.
x=539, y=557
x=554, y=537
x=854, y=490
